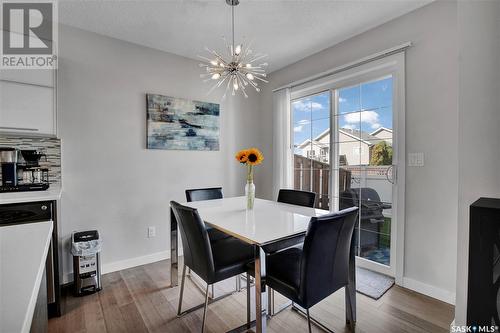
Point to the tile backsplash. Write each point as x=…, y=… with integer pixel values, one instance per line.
x=49, y=146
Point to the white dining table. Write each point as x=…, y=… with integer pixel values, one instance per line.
x=266, y=223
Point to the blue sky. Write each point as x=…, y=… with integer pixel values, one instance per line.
x=367, y=107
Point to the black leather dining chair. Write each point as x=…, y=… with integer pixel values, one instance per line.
x=308, y=274
x=209, y=193
x=212, y=261
x=296, y=197
x=292, y=197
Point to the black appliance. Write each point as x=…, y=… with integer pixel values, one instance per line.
x=483, y=297
x=370, y=215
x=34, y=212
x=8, y=159
x=21, y=170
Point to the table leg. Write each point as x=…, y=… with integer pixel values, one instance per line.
x=174, y=259
x=260, y=290
x=350, y=289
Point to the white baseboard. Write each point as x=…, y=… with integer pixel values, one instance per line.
x=133, y=262
x=127, y=263
x=431, y=291
x=420, y=287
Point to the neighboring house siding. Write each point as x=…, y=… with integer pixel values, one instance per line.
x=356, y=152
x=384, y=134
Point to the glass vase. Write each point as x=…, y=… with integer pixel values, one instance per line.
x=250, y=187
x=250, y=194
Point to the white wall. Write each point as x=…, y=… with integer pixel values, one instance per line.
x=110, y=181
x=431, y=128
x=479, y=122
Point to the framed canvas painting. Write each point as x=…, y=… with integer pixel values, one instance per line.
x=181, y=124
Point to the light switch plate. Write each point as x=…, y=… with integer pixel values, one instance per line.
x=416, y=159
x=151, y=232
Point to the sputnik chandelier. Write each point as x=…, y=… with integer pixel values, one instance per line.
x=238, y=70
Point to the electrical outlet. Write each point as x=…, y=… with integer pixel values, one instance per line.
x=151, y=232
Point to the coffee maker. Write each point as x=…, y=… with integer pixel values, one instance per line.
x=21, y=170
x=8, y=159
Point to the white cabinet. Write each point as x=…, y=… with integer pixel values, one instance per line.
x=27, y=102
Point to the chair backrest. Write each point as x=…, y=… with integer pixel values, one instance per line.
x=296, y=197
x=198, y=194
x=195, y=241
x=325, y=257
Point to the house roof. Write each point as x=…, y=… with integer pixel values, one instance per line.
x=366, y=137
x=380, y=129
x=360, y=135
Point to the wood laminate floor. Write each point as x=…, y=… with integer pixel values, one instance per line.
x=139, y=300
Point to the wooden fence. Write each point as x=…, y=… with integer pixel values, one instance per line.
x=314, y=176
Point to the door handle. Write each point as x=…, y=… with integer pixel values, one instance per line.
x=391, y=170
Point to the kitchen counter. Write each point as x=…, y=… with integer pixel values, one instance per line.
x=23, y=252
x=53, y=193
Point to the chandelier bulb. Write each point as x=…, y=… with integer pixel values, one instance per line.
x=237, y=50
x=250, y=76
x=215, y=76
x=214, y=62
x=235, y=85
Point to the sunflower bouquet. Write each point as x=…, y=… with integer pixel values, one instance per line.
x=250, y=157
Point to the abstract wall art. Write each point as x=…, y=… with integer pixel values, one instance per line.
x=181, y=124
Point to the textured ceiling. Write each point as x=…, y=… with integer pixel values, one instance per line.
x=285, y=30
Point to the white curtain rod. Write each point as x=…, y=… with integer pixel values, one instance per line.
x=362, y=61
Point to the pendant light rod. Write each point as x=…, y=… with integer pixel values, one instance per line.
x=232, y=3
x=232, y=17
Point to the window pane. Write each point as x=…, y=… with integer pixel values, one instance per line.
x=320, y=106
x=376, y=94
x=350, y=153
x=311, y=139
x=301, y=137
x=301, y=111
x=349, y=100
x=375, y=118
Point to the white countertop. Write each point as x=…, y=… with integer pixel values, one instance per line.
x=53, y=193
x=23, y=253
x=266, y=222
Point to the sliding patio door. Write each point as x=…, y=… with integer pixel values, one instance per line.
x=345, y=150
